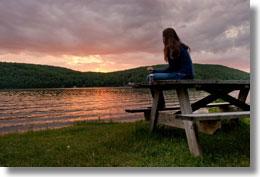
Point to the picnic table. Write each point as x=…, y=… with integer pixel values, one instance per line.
x=184, y=116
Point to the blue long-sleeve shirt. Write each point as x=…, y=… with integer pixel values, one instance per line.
x=182, y=64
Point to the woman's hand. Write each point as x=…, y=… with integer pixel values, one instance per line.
x=150, y=69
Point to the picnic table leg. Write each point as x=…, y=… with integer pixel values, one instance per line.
x=154, y=110
x=190, y=126
x=242, y=95
x=161, y=101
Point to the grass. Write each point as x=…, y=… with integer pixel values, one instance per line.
x=125, y=145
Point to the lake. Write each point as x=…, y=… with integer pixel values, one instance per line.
x=31, y=109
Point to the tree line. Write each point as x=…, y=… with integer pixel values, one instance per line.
x=19, y=75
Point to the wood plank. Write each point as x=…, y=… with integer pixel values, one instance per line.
x=230, y=99
x=208, y=99
x=190, y=126
x=169, y=120
x=193, y=81
x=213, y=116
x=169, y=84
x=205, y=101
x=136, y=110
x=243, y=94
x=154, y=110
x=149, y=109
x=217, y=104
x=161, y=102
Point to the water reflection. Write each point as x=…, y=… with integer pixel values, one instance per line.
x=40, y=108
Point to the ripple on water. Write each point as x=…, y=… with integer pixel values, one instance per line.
x=42, y=108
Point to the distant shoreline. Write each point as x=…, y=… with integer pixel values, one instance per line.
x=54, y=88
x=26, y=76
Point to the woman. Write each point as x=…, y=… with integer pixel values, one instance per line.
x=176, y=54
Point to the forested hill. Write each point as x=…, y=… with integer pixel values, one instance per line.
x=18, y=75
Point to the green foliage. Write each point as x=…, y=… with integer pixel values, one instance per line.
x=208, y=71
x=125, y=145
x=18, y=75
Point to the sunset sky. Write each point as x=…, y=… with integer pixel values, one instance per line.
x=111, y=35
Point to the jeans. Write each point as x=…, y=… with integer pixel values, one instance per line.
x=163, y=75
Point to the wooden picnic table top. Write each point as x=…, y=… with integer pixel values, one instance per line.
x=194, y=84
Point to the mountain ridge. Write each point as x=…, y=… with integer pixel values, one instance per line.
x=22, y=75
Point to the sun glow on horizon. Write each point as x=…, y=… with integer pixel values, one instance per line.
x=119, y=62
x=97, y=63
x=81, y=60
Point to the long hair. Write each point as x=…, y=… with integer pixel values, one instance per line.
x=173, y=42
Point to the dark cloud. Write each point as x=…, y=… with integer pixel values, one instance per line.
x=203, y=22
x=88, y=27
x=83, y=27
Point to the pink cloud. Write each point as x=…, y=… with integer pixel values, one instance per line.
x=125, y=33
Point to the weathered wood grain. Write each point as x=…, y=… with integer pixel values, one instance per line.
x=244, y=106
x=214, y=116
x=243, y=93
x=161, y=102
x=198, y=84
x=165, y=119
x=168, y=118
x=136, y=110
x=190, y=126
x=147, y=110
x=154, y=110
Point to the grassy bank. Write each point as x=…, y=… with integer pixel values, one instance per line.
x=124, y=144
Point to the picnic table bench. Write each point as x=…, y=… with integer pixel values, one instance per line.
x=184, y=116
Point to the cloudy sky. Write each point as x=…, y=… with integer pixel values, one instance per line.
x=110, y=35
